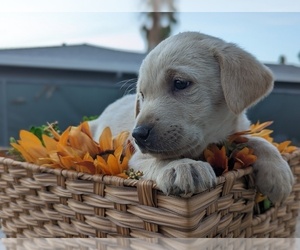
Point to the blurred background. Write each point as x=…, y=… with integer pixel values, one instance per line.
x=65, y=62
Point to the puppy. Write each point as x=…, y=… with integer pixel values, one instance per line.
x=193, y=90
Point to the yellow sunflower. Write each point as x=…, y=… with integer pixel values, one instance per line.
x=75, y=149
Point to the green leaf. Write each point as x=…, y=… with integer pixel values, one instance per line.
x=37, y=131
x=89, y=118
x=267, y=204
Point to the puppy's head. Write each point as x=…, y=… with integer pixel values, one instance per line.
x=191, y=91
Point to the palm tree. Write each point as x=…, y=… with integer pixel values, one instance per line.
x=158, y=25
x=282, y=59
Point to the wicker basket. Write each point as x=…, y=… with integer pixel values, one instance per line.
x=36, y=201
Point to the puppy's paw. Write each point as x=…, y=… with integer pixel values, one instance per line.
x=186, y=177
x=274, y=179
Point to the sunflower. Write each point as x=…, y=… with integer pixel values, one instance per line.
x=217, y=158
x=243, y=158
x=285, y=147
x=234, y=153
x=113, y=159
x=30, y=147
x=75, y=149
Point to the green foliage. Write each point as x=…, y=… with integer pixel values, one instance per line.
x=89, y=118
x=263, y=206
x=267, y=204
x=13, y=152
x=38, y=131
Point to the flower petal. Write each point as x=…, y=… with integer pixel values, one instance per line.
x=217, y=158
x=64, y=138
x=67, y=162
x=23, y=152
x=256, y=128
x=284, y=147
x=120, y=139
x=82, y=141
x=29, y=137
x=85, y=167
x=118, y=153
x=50, y=143
x=34, y=150
x=112, y=162
x=105, y=140
x=101, y=166
x=124, y=165
x=54, y=133
x=85, y=128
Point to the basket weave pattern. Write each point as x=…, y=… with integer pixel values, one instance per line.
x=37, y=201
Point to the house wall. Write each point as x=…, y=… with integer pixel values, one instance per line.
x=37, y=96
x=281, y=107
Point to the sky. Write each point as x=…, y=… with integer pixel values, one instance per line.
x=267, y=29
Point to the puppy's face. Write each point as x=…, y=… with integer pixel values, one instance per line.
x=181, y=104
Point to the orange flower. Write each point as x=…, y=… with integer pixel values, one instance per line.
x=75, y=149
x=107, y=157
x=259, y=131
x=114, y=158
x=30, y=147
x=244, y=158
x=256, y=128
x=264, y=134
x=80, y=138
x=284, y=147
x=86, y=164
x=217, y=158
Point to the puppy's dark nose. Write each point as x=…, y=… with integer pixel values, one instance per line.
x=141, y=133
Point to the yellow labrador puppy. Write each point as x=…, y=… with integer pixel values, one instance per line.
x=193, y=90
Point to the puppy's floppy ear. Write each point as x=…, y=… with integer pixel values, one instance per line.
x=244, y=80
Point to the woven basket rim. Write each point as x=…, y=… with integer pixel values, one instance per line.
x=115, y=180
x=108, y=179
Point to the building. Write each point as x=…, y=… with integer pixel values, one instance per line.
x=65, y=83
x=282, y=105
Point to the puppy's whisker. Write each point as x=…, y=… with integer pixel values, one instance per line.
x=130, y=89
x=127, y=81
x=129, y=84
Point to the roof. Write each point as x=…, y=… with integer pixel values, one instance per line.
x=73, y=57
x=285, y=73
x=93, y=58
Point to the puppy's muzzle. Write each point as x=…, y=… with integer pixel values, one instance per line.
x=141, y=134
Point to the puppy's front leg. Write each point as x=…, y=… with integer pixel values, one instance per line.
x=183, y=176
x=272, y=173
x=186, y=176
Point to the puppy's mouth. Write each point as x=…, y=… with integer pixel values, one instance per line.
x=174, y=153
x=163, y=148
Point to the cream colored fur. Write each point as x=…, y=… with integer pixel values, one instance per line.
x=224, y=81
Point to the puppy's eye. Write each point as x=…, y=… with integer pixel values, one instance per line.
x=181, y=84
x=142, y=96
